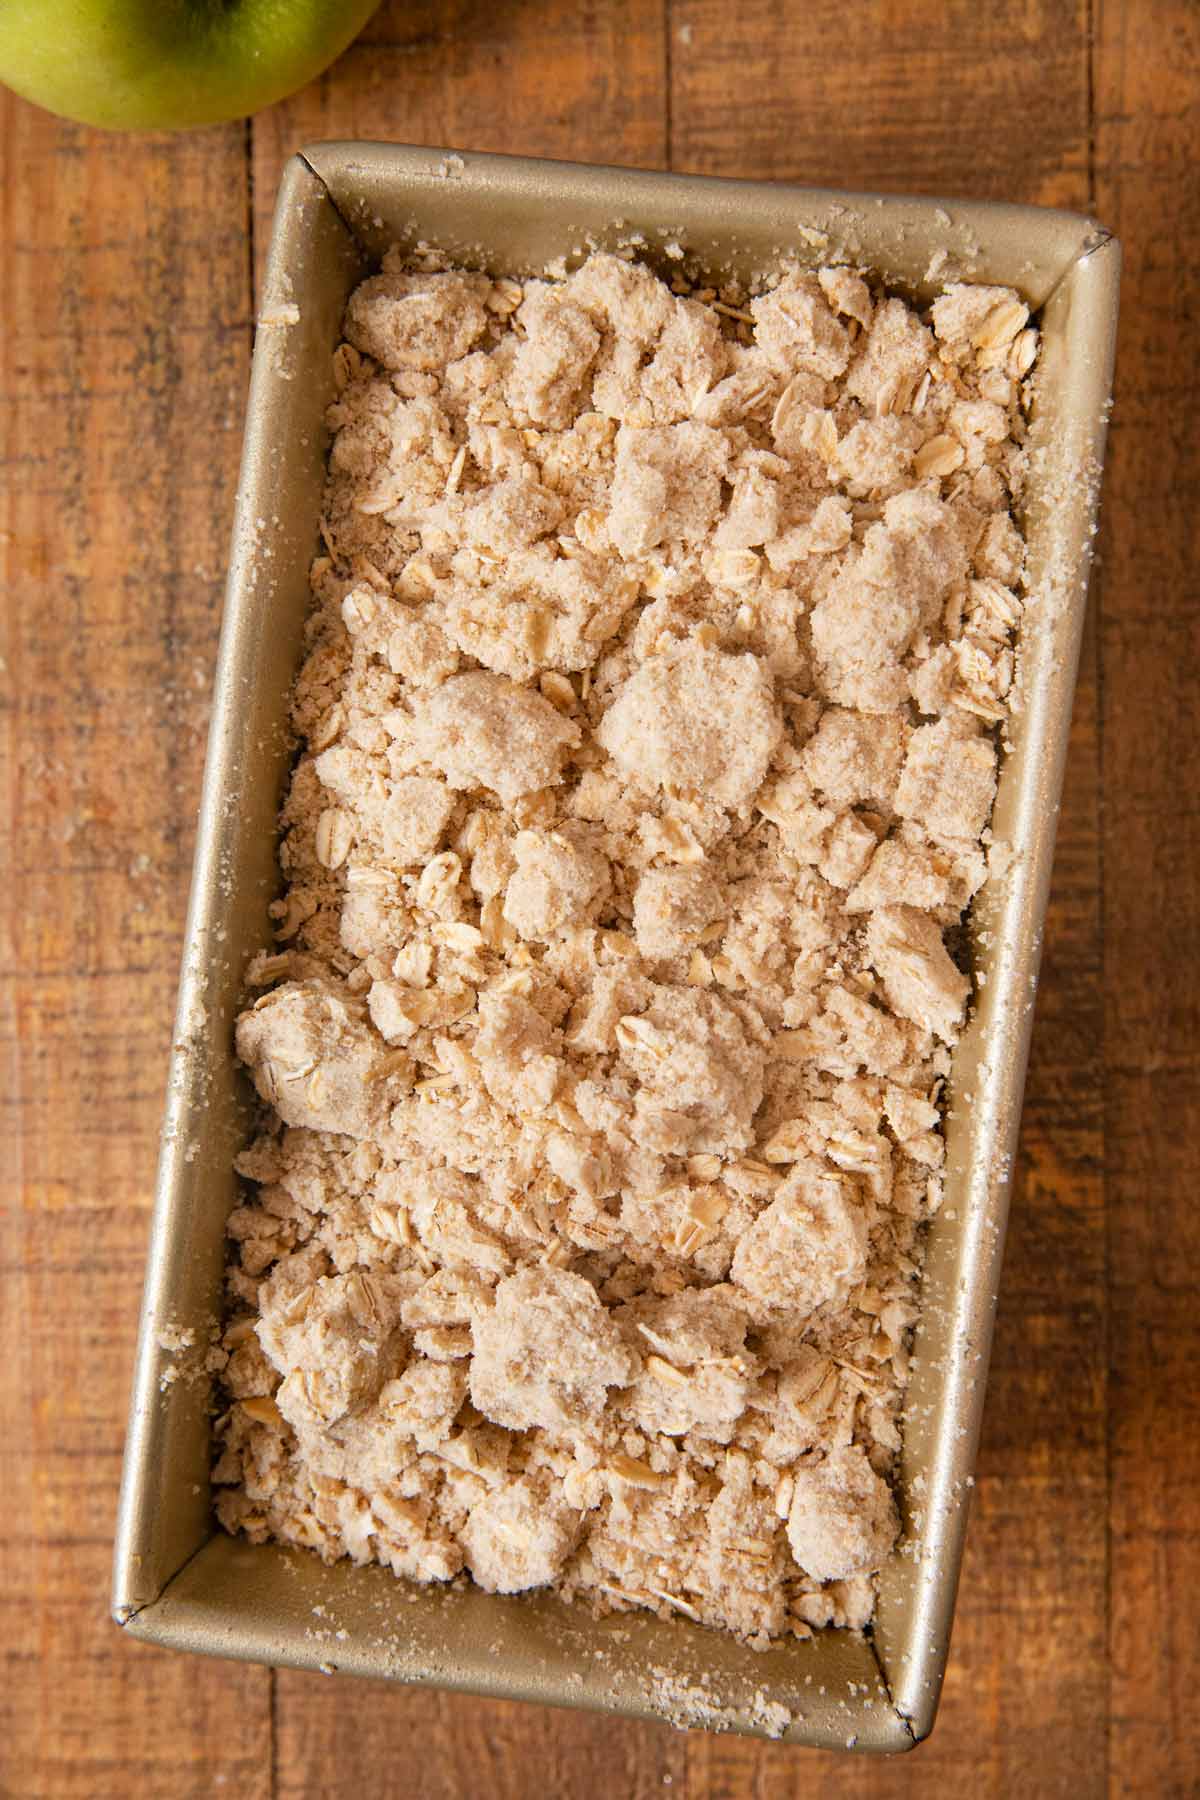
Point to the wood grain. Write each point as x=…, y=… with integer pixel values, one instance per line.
x=125, y=358
x=980, y=97
x=1149, y=608
x=127, y=275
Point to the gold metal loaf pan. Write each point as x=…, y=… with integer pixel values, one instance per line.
x=179, y=1582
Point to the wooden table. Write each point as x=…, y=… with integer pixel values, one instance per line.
x=128, y=275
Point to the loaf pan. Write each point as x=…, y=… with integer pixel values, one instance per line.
x=179, y=1581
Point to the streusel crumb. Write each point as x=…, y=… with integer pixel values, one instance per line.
x=647, y=727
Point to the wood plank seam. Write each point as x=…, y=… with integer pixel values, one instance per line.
x=1101, y=719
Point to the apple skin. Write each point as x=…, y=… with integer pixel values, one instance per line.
x=148, y=65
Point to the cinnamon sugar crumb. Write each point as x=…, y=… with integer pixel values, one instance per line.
x=648, y=715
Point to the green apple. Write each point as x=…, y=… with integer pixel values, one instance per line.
x=161, y=64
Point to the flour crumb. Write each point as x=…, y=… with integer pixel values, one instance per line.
x=649, y=727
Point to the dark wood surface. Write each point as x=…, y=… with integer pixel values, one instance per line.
x=128, y=269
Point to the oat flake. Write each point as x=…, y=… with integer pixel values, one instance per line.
x=648, y=721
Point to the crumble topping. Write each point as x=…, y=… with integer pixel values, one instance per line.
x=694, y=720
x=647, y=725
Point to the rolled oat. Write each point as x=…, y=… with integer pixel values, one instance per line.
x=648, y=719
